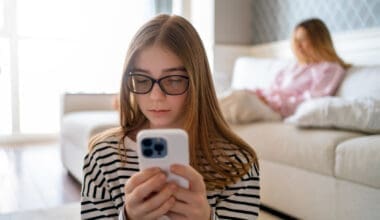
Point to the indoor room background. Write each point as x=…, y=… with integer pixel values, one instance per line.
x=51, y=47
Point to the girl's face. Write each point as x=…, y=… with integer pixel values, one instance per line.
x=302, y=46
x=161, y=110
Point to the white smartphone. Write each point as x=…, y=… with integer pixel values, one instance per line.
x=162, y=148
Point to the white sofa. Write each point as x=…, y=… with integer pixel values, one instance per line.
x=314, y=173
x=83, y=115
x=305, y=173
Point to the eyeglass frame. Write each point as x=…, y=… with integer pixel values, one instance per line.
x=158, y=81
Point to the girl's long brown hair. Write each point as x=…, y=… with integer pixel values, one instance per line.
x=210, y=139
x=321, y=40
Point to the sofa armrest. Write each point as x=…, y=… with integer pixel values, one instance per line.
x=74, y=102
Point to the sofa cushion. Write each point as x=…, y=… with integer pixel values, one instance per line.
x=310, y=149
x=78, y=127
x=361, y=114
x=361, y=82
x=358, y=160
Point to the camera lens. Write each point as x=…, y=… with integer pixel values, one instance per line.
x=158, y=147
x=148, y=152
x=147, y=142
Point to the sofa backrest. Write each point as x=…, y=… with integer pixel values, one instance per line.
x=361, y=82
x=251, y=72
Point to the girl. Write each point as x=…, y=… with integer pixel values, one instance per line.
x=317, y=72
x=167, y=84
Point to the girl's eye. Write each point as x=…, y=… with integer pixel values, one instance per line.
x=139, y=79
x=175, y=80
x=142, y=81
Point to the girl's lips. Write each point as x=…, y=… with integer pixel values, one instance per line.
x=158, y=113
x=158, y=110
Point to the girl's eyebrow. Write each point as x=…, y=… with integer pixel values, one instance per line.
x=168, y=70
x=181, y=68
x=139, y=70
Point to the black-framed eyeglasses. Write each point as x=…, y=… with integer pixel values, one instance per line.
x=170, y=85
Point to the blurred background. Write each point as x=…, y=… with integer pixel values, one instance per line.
x=49, y=47
x=52, y=47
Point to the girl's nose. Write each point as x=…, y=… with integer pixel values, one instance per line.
x=157, y=92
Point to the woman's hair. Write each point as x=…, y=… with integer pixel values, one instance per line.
x=211, y=141
x=321, y=41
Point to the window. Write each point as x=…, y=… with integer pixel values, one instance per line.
x=2, y=12
x=5, y=89
x=48, y=47
x=5, y=77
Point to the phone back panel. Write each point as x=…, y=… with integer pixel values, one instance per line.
x=176, y=152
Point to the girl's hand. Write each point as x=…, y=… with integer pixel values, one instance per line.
x=190, y=203
x=148, y=195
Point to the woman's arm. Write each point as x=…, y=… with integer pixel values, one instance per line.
x=317, y=81
x=327, y=81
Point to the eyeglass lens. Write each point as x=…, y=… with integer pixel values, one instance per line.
x=170, y=85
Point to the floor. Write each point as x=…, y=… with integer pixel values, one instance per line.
x=32, y=177
x=69, y=211
x=25, y=191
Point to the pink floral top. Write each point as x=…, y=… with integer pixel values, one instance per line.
x=300, y=82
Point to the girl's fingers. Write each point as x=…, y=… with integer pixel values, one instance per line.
x=195, y=179
x=162, y=210
x=198, y=210
x=157, y=200
x=139, y=178
x=184, y=195
x=175, y=216
x=180, y=208
x=150, y=186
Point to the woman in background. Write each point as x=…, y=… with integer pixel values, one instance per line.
x=317, y=72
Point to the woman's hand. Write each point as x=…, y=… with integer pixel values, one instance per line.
x=148, y=195
x=260, y=94
x=190, y=203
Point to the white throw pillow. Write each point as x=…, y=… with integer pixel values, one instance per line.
x=361, y=114
x=242, y=106
x=360, y=82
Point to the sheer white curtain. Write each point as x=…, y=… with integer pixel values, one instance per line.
x=65, y=46
x=5, y=89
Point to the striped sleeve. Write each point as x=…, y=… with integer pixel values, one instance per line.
x=96, y=201
x=240, y=200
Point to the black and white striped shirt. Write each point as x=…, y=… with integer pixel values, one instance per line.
x=104, y=176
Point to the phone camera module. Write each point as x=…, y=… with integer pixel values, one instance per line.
x=154, y=147
x=147, y=142
x=147, y=152
x=159, y=147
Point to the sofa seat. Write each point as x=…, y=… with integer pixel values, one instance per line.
x=358, y=160
x=309, y=149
